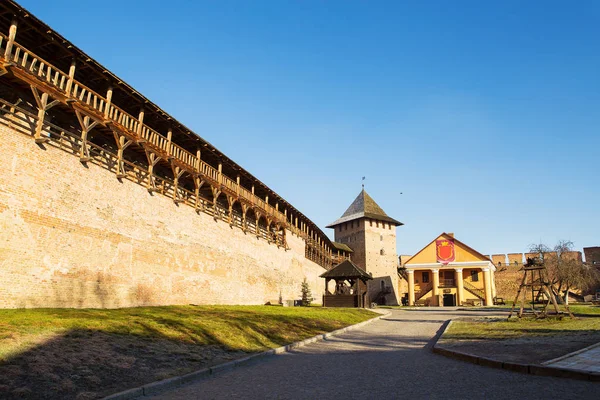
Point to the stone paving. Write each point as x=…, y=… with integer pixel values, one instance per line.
x=390, y=358
x=587, y=360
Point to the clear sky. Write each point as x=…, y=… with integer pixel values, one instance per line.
x=484, y=115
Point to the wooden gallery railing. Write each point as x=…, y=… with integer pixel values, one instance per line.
x=51, y=86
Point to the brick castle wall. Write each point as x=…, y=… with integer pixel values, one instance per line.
x=75, y=236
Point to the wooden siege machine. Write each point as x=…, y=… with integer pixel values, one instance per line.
x=535, y=280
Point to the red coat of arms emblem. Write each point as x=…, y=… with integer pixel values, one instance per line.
x=444, y=249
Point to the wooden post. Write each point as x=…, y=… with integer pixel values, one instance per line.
x=153, y=159
x=220, y=172
x=122, y=144
x=109, y=94
x=169, y=137
x=252, y=189
x=215, y=192
x=244, y=222
x=177, y=172
x=198, y=182
x=230, y=202
x=43, y=106
x=71, y=78
x=12, y=33
x=86, y=126
x=198, y=161
x=140, y=122
x=258, y=215
x=237, y=189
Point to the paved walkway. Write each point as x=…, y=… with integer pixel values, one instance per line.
x=387, y=359
x=588, y=360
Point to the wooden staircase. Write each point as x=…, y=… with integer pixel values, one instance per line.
x=476, y=291
x=424, y=290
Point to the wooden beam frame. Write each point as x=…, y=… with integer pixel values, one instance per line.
x=87, y=124
x=43, y=106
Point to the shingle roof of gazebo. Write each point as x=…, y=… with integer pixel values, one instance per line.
x=346, y=269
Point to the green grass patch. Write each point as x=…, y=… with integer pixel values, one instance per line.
x=515, y=328
x=235, y=328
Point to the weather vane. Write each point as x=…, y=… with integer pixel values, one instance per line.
x=363, y=182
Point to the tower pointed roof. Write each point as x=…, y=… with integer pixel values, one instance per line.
x=364, y=207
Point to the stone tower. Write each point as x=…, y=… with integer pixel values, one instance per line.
x=371, y=234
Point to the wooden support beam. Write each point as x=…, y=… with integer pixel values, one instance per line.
x=71, y=78
x=258, y=215
x=169, y=138
x=153, y=159
x=43, y=106
x=220, y=176
x=109, y=94
x=230, y=202
x=122, y=144
x=87, y=124
x=198, y=182
x=140, y=123
x=177, y=172
x=215, y=192
x=244, y=222
x=12, y=33
x=198, y=161
x=237, y=189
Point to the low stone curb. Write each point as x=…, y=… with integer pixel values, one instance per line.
x=170, y=383
x=531, y=369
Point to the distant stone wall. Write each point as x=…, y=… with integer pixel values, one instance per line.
x=75, y=236
x=508, y=270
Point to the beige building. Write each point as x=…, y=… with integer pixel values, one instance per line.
x=371, y=234
x=447, y=272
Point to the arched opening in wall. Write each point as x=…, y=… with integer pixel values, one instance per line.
x=251, y=221
x=222, y=206
x=237, y=214
x=263, y=228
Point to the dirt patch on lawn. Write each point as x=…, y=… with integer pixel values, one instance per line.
x=86, y=364
x=524, y=350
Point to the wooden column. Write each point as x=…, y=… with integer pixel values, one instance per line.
x=43, y=106
x=109, y=94
x=198, y=182
x=86, y=126
x=237, y=189
x=122, y=144
x=153, y=159
x=169, y=138
x=140, y=122
x=177, y=172
x=12, y=33
x=244, y=222
x=230, y=203
x=71, y=78
x=215, y=192
x=220, y=169
x=258, y=215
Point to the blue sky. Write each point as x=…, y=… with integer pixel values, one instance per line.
x=484, y=115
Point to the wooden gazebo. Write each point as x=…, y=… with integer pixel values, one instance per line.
x=350, y=286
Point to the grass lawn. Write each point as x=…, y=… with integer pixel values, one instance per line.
x=89, y=353
x=525, y=340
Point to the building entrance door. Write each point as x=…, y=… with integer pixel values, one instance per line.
x=449, y=300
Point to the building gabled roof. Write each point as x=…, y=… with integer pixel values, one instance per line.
x=456, y=241
x=364, y=207
x=342, y=246
x=346, y=269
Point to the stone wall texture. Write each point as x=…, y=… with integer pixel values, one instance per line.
x=75, y=236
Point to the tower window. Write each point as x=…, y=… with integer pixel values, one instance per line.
x=381, y=238
x=474, y=276
x=425, y=277
x=382, y=252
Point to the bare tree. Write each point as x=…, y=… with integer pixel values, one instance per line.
x=565, y=270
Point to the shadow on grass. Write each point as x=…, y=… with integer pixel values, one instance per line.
x=92, y=353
